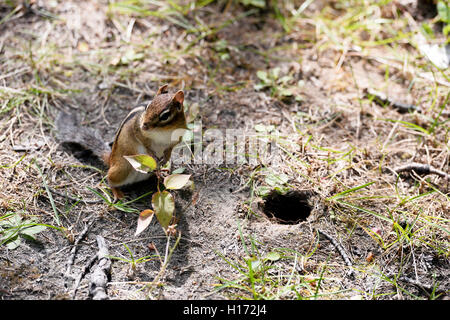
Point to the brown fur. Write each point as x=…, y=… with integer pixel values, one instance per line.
x=135, y=130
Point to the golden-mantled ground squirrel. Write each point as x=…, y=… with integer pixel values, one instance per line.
x=153, y=129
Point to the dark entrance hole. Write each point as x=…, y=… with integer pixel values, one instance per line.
x=289, y=208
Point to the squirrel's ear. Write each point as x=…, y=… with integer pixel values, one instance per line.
x=179, y=97
x=162, y=89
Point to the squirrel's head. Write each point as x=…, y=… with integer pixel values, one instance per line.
x=165, y=110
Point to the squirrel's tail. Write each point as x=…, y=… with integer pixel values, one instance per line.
x=69, y=131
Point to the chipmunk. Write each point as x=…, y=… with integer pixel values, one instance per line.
x=152, y=129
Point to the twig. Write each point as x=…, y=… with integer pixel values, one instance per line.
x=16, y=72
x=73, y=252
x=420, y=168
x=340, y=250
x=426, y=288
x=87, y=267
x=99, y=278
x=381, y=98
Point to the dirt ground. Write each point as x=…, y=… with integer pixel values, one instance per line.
x=98, y=63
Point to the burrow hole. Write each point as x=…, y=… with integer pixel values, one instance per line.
x=289, y=208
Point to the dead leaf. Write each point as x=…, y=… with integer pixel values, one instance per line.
x=172, y=230
x=145, y=217
x=195, y=198
x=370, y=257
x=376, y=230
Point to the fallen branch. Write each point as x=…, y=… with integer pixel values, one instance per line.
x=420, y=168
x=99, y=278
x=341, y=251
x=416, y=283
x=73, y=252
x=381, y=98
x=86, y=268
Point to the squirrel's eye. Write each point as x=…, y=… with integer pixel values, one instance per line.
x=164, y=116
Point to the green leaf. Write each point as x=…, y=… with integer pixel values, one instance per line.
x=273, y=256
x=260, y=86
x=32, y=230
x=13, y=220
x=255, y=3
x=446, y=30
x=275, y=72
x=443, y=11
x=282, y=189
x=427, y=29
x=179, y=170
x=255, y=264
x=176, y=181
x=262, y=75
x=13, y=243
x=286, y=92
x=275, y=180
x=142, y=162
x=8, y=235
x=164, y=206
x=285, y=79
x=131, y=55
x=263, y=191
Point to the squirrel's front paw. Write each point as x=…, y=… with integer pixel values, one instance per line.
x=118, y=194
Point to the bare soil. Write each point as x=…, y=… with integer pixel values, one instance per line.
x=74, y=57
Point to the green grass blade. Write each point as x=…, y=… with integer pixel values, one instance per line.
x=408, y=125
x=341, y=194
x=346, y=204
x=50, y=197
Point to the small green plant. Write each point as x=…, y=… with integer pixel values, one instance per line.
x=132, y=260
x=264, y=275
x=443, y=9
x=162, y=201
x=253, y=269
x=280, y=87
x=273, y=181
x=13, y=228
x=254, y=3
x=163, y=208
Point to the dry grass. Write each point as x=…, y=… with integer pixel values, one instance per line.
x=334, y=140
